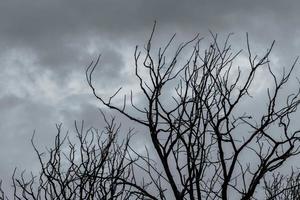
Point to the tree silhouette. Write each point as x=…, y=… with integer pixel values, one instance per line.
x=206, y=145
x=283, y=187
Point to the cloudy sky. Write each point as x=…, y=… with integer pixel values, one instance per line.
x=47, y=44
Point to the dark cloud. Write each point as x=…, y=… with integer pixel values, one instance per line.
x=59, y=32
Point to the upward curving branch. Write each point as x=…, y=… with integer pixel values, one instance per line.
x=198, y=130
x=206, y=144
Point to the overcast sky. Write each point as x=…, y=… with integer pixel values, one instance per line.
x=45, y=46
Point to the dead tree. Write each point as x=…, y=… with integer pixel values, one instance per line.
x=281, y=187
x=92, y=167
x=198, y=131
x=206, y=146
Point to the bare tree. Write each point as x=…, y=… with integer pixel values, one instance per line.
x=81, y=170
x=199, y=131
x=281, y=187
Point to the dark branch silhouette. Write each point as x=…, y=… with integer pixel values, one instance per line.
x=199, y=132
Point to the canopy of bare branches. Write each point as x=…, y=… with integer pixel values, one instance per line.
x=198, y=131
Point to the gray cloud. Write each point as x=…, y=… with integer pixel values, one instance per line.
x=59, y=32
